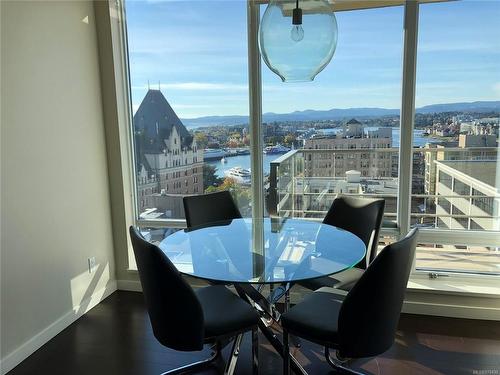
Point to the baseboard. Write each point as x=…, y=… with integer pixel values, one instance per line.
x=15, y=357
x=409, y=307
x=451, y=311
x=129, y=285
x=135, y=285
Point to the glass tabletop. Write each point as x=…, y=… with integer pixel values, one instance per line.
x=263, y=251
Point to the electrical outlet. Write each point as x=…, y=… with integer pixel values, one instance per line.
x=91, y=262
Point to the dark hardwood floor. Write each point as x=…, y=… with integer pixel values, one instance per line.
x=115, y=338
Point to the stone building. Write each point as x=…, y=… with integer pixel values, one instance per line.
x=355, y=152
x=169, y=164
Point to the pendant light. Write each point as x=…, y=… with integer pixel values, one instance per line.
x=297, y=38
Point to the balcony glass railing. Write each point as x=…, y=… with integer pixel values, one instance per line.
x=304, y=183
x=458, y=194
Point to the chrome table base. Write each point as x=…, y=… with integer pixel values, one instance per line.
x=217, y=356
x=270, y=315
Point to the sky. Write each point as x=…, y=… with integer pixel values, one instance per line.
x=196, y=52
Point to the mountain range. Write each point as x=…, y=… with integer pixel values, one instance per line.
x=339, y=114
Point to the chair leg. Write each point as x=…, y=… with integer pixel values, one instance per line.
x=196, y=366
x=255, y=351
x=295, y=340
x=339, y=364
x=286, y=354
x=235, y=351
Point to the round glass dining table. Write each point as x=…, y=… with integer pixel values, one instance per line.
x=263, y=251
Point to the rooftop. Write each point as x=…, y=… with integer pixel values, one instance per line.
x=155, y=118
x=353, y=121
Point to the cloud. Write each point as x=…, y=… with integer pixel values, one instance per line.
x=192, y=106
x=135, y=107
x=496, y=88
x=452, y=46
x=196, y=86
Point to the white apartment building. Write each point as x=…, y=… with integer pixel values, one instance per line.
x=469, y=147
x=467, y=195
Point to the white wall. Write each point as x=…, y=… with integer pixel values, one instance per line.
x=55, y=200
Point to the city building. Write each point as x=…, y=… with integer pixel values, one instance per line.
x=477, y=140
x=482, y=126
x=353, y=138
x=169, y=164
x=469, y=147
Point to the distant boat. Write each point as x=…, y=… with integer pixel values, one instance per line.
x=242, y=151
x=240, y=175
x=213, y=153
x=278, y=149
x=237, y=151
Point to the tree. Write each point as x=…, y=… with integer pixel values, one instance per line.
x=210, y=178
x=289, y=139
x=201, y=139
x=273, y=140
x=241, y=194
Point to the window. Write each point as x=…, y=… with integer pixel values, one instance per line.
x=461, y=219
x=361, y=74
x=184, y=67
x=457, y=165
x=461, y=188
x=444, y=204
x=311, y=152
x=446, y=180
x=487, y=204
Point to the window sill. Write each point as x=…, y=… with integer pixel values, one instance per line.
x=465, y=286
x=477, y=287
x=467, y=298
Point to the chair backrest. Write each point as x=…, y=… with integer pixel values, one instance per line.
x=174, y=310
x=361, y=216
x=220, y=209
x=369, y=315
x=209, y=208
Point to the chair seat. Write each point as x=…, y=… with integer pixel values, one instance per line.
x=315, y=318
x=224, y=312
x=342, y=280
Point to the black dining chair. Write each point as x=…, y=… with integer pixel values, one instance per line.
x=185, y=319
x=364, y=323
x=360, y=216
x=220, y=209
x=210, y=208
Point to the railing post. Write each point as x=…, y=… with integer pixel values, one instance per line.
x=292, y=180
x=272, y=199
